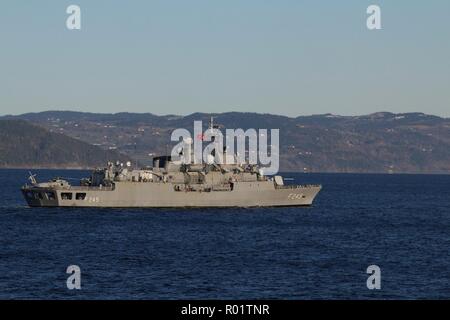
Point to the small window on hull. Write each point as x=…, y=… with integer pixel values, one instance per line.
x=66, y=196
x=80, y=196
x=50, y=195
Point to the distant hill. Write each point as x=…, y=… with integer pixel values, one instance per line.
x=380, y=143
x=23, y=145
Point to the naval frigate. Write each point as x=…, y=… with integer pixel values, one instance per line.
x=171, y=183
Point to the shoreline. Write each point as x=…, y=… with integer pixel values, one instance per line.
x=80, y=168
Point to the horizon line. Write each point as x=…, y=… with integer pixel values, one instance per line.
x=225, y=112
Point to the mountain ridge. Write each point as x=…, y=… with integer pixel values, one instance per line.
x=381, y=142
x=24, y=145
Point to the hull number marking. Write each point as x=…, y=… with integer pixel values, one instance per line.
x=296, y=196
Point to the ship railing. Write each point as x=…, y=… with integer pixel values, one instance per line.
x=302, y=186
x=88, y=188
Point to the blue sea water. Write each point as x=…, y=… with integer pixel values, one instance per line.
x=399, y=222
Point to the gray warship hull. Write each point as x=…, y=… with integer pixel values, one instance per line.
x=177, y=181
x=129, y=194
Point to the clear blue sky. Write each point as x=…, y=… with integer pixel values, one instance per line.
x=289, y=57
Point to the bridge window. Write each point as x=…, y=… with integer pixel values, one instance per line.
x=66, y=196
x=80, y=196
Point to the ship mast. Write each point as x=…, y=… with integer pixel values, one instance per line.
x=211, y=123
x=211, y=128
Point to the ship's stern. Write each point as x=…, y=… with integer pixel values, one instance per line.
x=39, y=197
